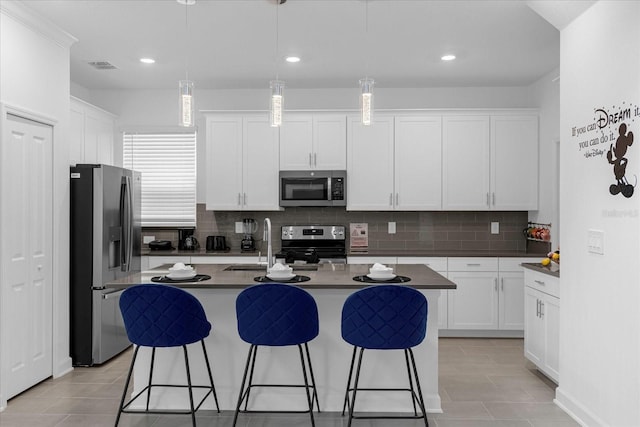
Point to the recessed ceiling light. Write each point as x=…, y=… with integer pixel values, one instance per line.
x=292, y=59
x=187, y=2
x=448, y=57
x=147, y=60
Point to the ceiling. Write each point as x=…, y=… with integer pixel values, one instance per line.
x=231, y=44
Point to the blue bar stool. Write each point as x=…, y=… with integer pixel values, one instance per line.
x=164, y=316
x=276, y=314
x=384, y=317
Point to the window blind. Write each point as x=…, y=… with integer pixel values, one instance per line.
x=167, y=162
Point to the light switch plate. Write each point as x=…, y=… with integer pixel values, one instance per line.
x=239, y=227
x=595, y=242
x=392, y=227
x=148, y=239
x=495, y=228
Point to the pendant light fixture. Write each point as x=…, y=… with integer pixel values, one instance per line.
x=185, y=87
x=277, y=86
x=366, y=84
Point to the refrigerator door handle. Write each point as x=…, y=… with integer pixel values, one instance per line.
x=126, y=222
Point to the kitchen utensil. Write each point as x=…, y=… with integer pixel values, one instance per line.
x=190, y=243
x=217, y=243
x=249, y=226
x=160, y=245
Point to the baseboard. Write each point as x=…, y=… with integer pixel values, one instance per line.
x=479, y=333
x=63, y=368
x=576, y=410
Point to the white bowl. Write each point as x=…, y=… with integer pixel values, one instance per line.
x=181, y=268
x=280, y=271
x=386, y=270
x=182, y=274
x=280, y=276
x=381, y=275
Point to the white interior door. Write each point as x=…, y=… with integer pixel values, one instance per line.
x=26, y=281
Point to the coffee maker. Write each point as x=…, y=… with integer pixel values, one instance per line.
x=186, y=239
x=248, y=244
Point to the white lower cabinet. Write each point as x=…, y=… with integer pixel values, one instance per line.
x=489, y=296
x=158, y=260
x=153, y=261
x=474, y=303
x=225, y=259
x=371, y=260
x=542, y=317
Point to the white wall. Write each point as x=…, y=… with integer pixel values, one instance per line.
x=545, y=94
x=34, y=77
x=599, y=294
x=159, y=108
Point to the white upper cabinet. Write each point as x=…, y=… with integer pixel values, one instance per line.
x=242, y=163
x=313, y=141
x=92, y=133
x=466, y=162
x=370, y=163
x=514, y=156
x=490, y=162
x=418, y=163
x=395, y=164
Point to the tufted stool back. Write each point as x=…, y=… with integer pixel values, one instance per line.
x=276, y=314
x=385, y=317
x=162, y=316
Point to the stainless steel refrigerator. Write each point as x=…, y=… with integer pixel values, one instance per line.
x=105, y=245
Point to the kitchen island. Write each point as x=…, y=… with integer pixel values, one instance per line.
x=330, y=285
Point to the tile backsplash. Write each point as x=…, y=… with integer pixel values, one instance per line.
x=438, y=230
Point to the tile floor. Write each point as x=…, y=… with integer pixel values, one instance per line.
x=483, y=383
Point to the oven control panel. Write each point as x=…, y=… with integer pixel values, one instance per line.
x=313, y=232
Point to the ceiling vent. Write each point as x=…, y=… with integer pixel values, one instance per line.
x=102, y=65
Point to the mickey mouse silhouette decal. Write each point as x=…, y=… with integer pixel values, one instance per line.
x=624, y=141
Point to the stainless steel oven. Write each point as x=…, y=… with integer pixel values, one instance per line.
x=313, y=188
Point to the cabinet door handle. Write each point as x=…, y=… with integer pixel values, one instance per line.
x=390, y=199
x=502, y=284
x=239, y=199
x=315, y=159
x=541, y=309
x=495, y=284
x=537, y=307
x=487, y=199
x=245, y=198
x=397, y=198
x=310, y=162
x=473, y=264
x=493, y=197
x=539, y=282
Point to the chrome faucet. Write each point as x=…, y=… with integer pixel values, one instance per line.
x=266, y=237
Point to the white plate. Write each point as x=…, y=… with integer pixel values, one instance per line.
x=287, y=276
x=182, y=275
x=381, y=276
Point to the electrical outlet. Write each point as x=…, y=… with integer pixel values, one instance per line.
x=392, y=227
x=595, y=242
x=148, y=239
x=495, y=228
x=239, y=227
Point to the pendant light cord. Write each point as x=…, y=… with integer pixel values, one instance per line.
x=366, y=42
x=186, y=31
x=277, y=35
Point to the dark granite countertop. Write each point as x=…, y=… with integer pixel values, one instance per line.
x=444, y=253
x=551, y=269
x=369, y=253
x=327, y=276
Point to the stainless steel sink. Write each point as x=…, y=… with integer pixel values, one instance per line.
x=258, y=267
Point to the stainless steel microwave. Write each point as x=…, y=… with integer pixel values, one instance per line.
x=313, y=188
